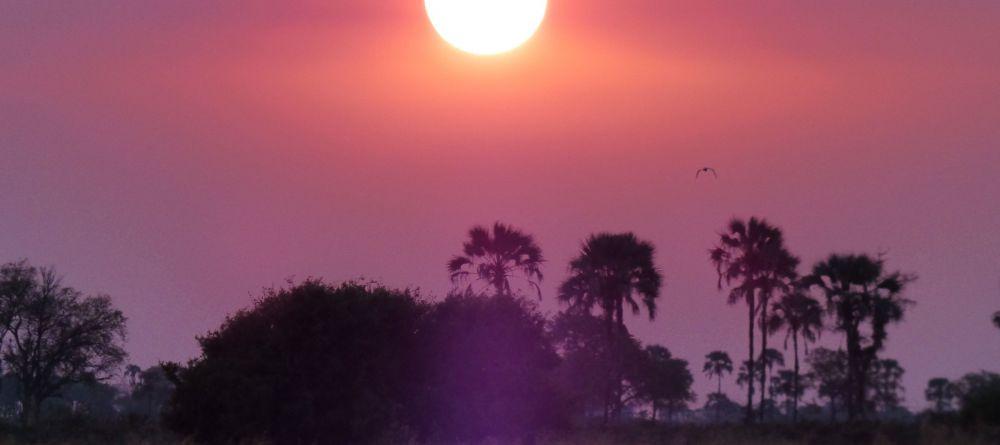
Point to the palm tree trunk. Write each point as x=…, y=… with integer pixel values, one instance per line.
x=620, y=314
x=795, y=384
x=853, y=374
x=750, y=362
x=766, y=368
x=610, y=331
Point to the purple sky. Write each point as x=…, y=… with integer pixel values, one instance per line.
x=182, y=155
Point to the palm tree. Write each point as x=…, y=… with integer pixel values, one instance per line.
x=752, y=260
x=613, y=270
x=498, y=256
x=859, y=291
x=800, y=316
x=717, y=364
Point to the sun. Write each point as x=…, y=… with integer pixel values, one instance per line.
x=486, y=27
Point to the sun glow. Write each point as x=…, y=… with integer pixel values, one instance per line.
x=486, y=27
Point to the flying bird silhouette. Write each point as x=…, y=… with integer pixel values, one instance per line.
x=706, y=170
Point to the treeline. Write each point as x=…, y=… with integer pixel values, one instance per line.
x=314, y=362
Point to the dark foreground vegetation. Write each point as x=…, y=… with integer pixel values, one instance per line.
x=355, y=363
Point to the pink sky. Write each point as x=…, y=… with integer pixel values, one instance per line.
x=182, y=155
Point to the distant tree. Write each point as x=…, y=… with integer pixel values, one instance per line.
x=613, y=270
x=312, y=363
x=800, y=316
x=132, y=372
x=864, y=299
x=587, y=360
x=941, y=392
x=887, y=385
x=785, y=385
x=752, y=260
x=666, y=381
x=743, y=377
x=717, y=364
x=769, y=358
x=979, y=397
x=996, y=319
x=57, y=336
x=497, y=255
x=726, y=409
x=488, y=368
x=829, y=371
x=150, y=393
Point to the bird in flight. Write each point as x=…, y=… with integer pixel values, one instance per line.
x=706, y=170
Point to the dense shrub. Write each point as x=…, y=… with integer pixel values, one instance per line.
x=310, y=364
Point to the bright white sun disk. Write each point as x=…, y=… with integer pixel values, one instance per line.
x=486, y=26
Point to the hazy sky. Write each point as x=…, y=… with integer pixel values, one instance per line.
x=182, y=155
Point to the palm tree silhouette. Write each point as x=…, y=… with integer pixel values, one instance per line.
x=752, y=260
x=613, y=270
x=800, y=316
x=717, y=364
x=858, y=290
x=498, y=256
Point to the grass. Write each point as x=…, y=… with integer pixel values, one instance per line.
x=118, y=433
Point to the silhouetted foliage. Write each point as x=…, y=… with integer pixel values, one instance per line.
x=769, y=358
x=495, y=257
x=829, y=371
x=665, y=381
x=57, y=336
x=787, y=387
x=861, y=294
x=717, y=364
x=752, y=260
x=489, y=370
x=723, y=408
x=800, y=316
x=313, y=363
x=613, y=270
x=979, y=397
x=588, y=361
x=941, y=392
x=996, y=319
x=886, y=385
x=149, y=391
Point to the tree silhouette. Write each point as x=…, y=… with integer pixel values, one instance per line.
x=786, y=386
x=743, y=377
x=666, y=381
x=496, y=256
x=800, y=316
x=751, y=259
x=829, y=370
x=996, y=319
x=860, y=294
x=313, y=363
x=769, y=358
x=941, y=392
x=132, y=372
x=613, y=270
x=717, y=364
x=887, y=385
x=58, y=336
